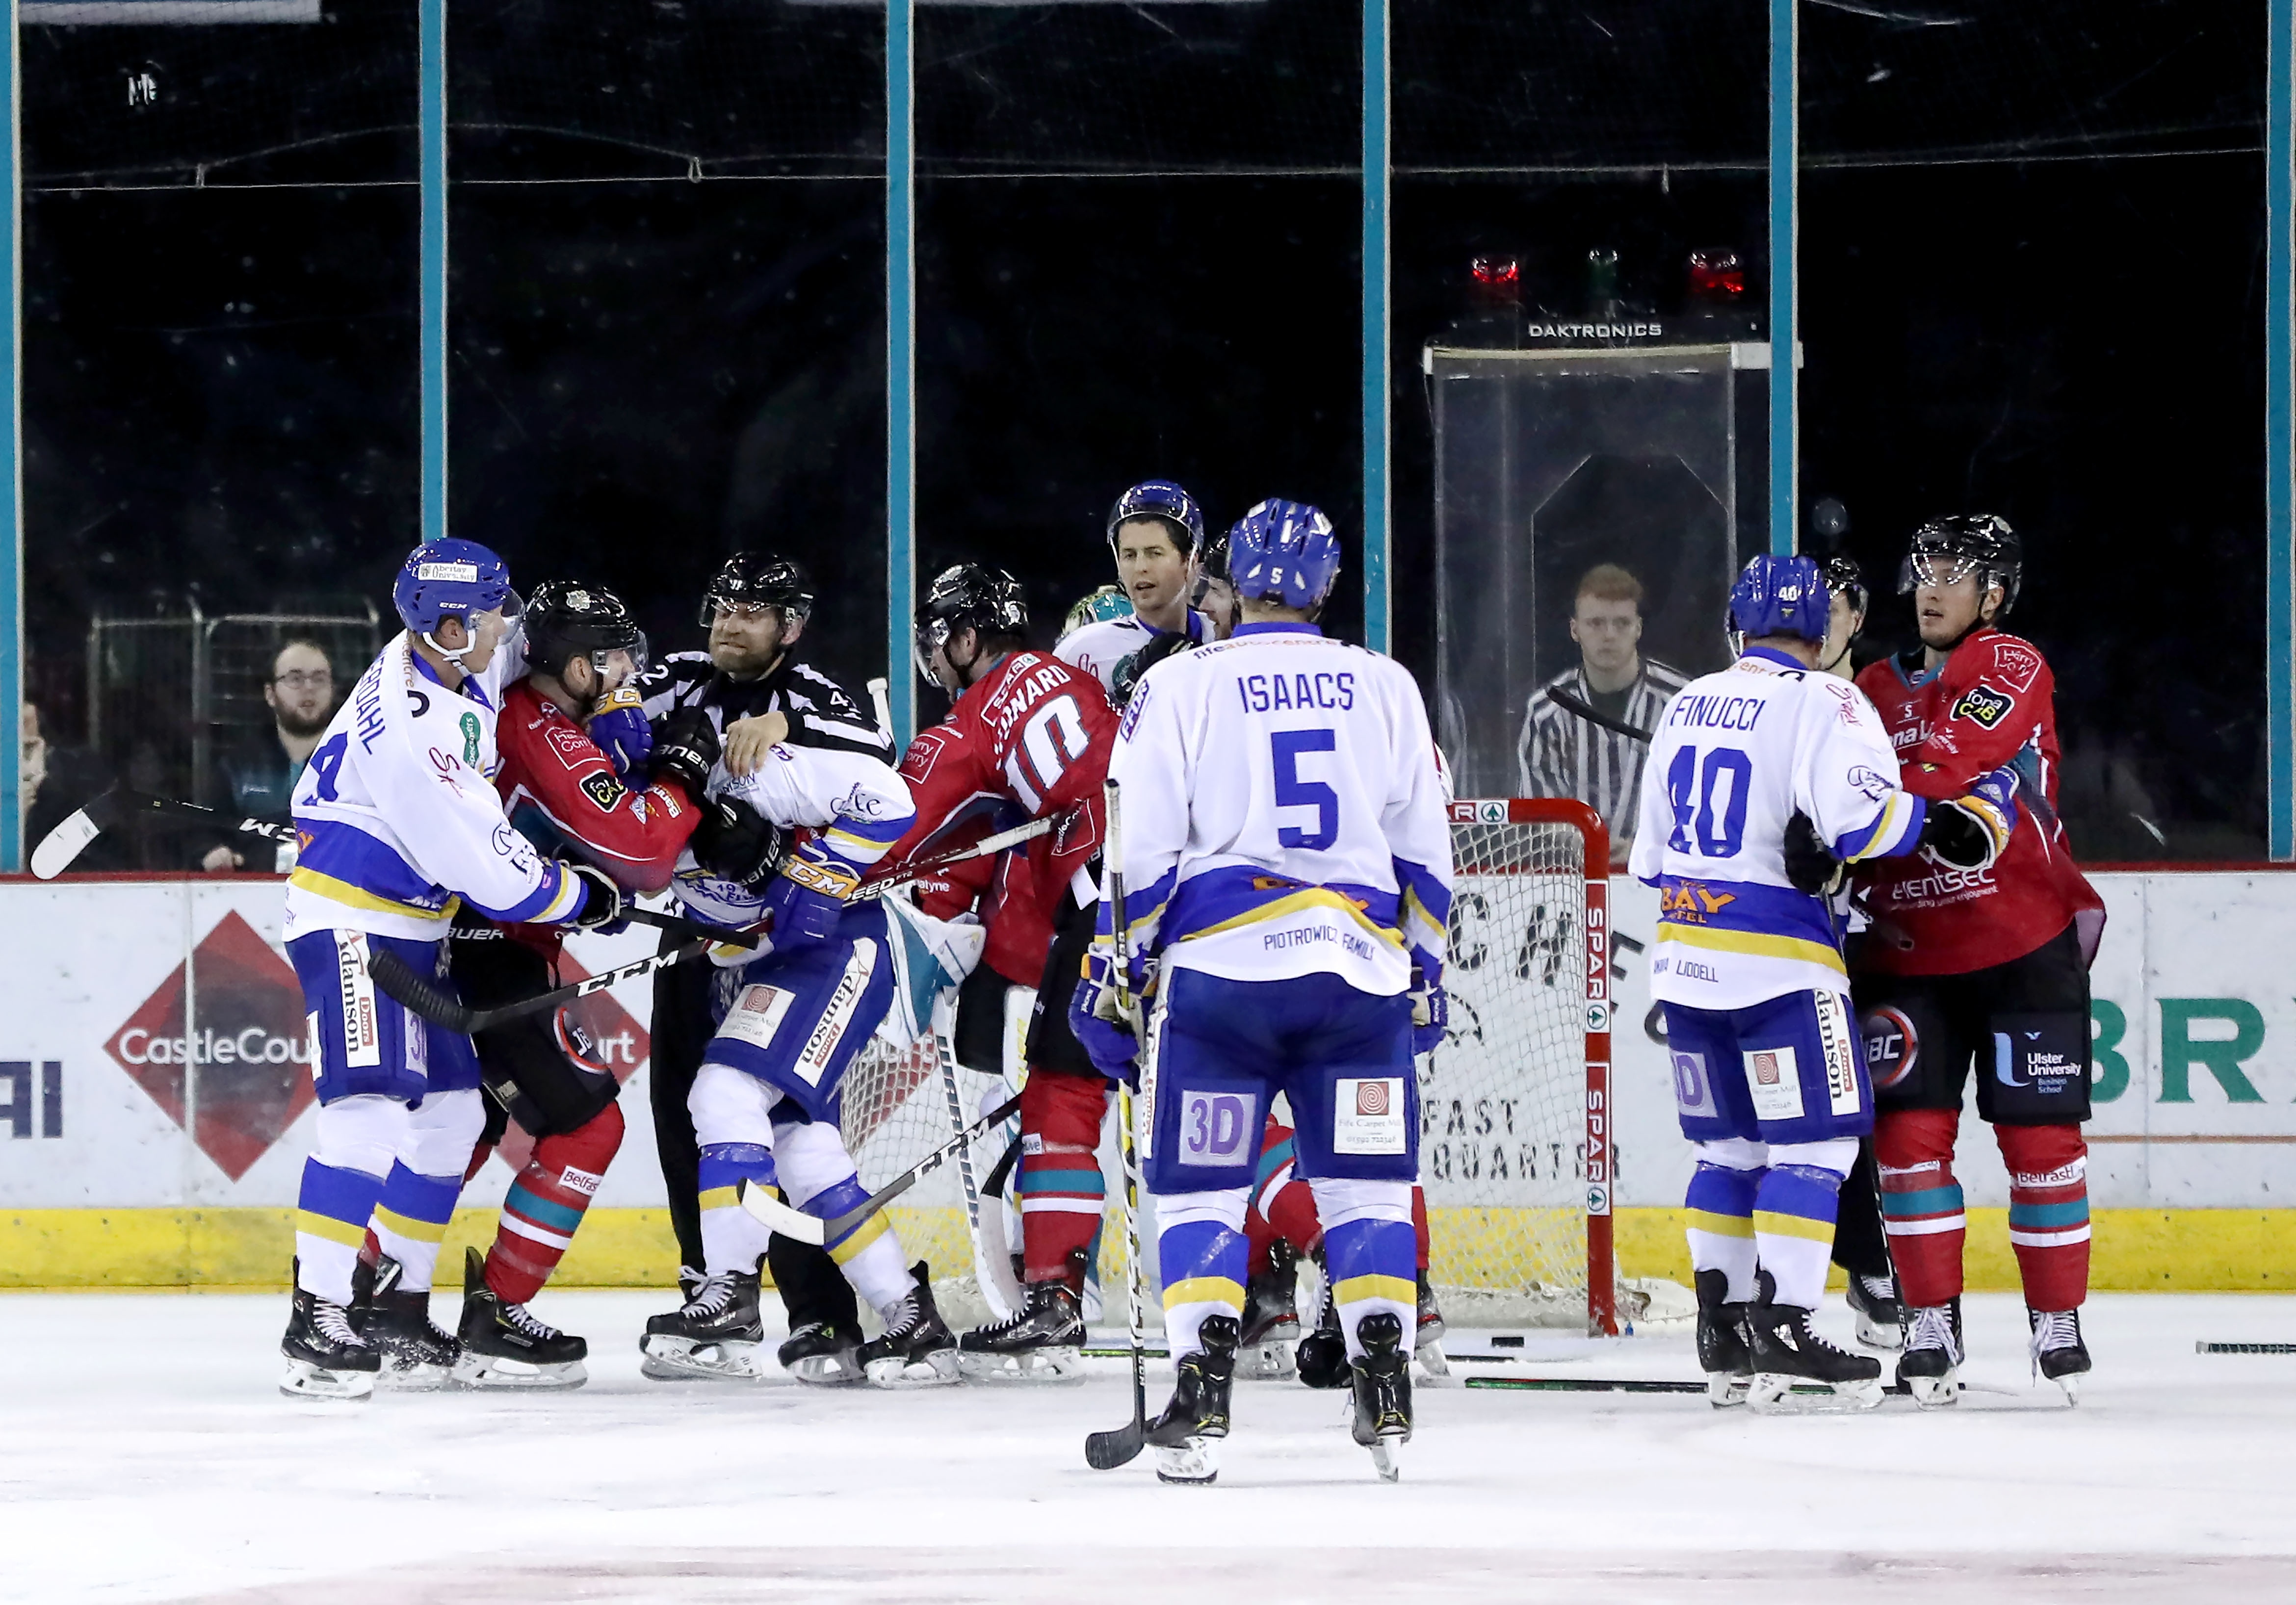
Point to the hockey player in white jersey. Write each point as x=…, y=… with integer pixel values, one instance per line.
x=1156, y=532
x=1287, y=869
x=793, y=1014
x=397, y=821
x=1769, y=1074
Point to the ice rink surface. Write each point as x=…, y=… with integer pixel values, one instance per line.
x=148, y=1457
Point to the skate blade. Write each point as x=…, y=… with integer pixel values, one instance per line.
x=394, y=1378
x=1874, y=1334
x=724, y=1360
x=1935, y=1393
x=827, y=1371
x=1771, y=1394
x=2070, y=1382
x=1433, y=1361
x=1726, y=1390
x=937, y=1369
x=1059, y=1364
x=1269, y=1362
x=656, y=1371
x=305, y=1380
x=502, y=1374
x=1192, y=1462
x=1387, y=1457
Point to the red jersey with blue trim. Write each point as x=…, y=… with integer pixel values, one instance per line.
x=1030, y=739
x=1992, y=701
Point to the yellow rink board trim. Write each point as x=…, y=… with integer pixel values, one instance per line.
x=2135, y=1250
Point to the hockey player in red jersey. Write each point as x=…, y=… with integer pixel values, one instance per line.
x=1028, y=738
x=573, y=744
x=1987, y=965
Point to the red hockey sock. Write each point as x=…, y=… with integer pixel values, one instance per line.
x=1062, y=1192
x=2048, y=1212
x=1418, y=1220
x=546, y=1202
x=1920, y=1201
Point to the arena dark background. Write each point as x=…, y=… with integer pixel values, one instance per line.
x=2032, y=283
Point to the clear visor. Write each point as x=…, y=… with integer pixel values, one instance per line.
x=1935, y=568
x=928, y=638
x=713, y=606
x=619, y=666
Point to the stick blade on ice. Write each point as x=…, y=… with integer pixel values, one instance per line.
x=1106, y=1450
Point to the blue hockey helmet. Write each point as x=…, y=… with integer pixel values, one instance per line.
x=1284, y=552
x=449, y=579
x=1164, y=500
x=1781, y=596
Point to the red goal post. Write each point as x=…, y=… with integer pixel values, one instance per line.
x=1516, y=1120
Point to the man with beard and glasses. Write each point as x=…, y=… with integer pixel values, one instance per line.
x=262, y=772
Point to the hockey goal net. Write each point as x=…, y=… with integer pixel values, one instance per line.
x=1514, y=1107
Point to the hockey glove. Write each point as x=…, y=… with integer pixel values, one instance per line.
x=686, y=748
x=1431, y=1015
x=617, y=724
x=806, y=899
x=735, y=842
x=1811, y=868
x=1971, y=831
x=1098, y=1018
x=601, y=908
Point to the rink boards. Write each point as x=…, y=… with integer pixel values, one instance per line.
x=120, y=1164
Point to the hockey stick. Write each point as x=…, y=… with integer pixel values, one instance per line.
x=1571, y=704
x=993, y=1287
x=1106, y=1450
x=426, y=1000
x=770, y=1210
x=890, y=877
x=108, y=809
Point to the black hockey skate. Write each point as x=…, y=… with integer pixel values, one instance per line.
x=1197, y=1417
x=1383, y=1384
x=1428, y=1349
x=1722, y=1352
x=1271, y=1317
x=326, y=1356
x=1322, y=1355
x=917, y=1349
x=1043, y=1341
x=503, y=1346
x=658, y=1370
x=1789, y=1355
x=824, y=1353
x=717, y=1333
x=2058, y=1352
x=1931, y=1367
x=1880, y=1313
x=418, y=1355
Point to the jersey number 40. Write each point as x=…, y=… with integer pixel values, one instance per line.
x=1690, y=791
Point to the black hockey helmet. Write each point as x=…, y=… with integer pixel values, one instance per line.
x=1844, y=577
x=968, y=596
x=759, y=579
x=1946, y=549
x=570, y=618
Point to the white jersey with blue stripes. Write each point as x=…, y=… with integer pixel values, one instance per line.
x=398, y=815
x=1736, y=756
x=1283, y=812
x=855, y=806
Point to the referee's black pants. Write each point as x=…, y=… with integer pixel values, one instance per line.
x=811, y=1286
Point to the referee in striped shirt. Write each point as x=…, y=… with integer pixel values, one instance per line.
x=1563, y=755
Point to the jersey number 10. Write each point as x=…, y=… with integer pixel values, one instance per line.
x=1051, y=739
x=1690, y=789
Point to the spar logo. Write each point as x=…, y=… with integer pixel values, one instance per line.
x=241, y=1073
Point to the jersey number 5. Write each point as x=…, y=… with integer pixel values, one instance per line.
x=1051, y=739
x=1292, y=792
x=1690, y=789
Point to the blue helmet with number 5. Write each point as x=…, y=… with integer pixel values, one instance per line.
x=449, y=579
x=1284, y=552
x=1781, y=596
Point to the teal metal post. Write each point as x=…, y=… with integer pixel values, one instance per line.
x=2279, y=449
x=900, y=361
x=432, y=123
x=1785, y=271
x=12, y=483
x=1377, y=431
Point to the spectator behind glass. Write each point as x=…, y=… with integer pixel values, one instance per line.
x=260, y=772
x=1563, y=755
x=34, y=768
